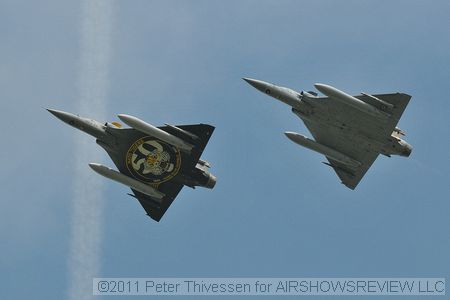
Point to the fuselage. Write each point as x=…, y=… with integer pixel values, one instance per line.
x=311, y=108
x=117, y=142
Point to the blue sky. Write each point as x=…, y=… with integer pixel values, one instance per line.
x=276, y=211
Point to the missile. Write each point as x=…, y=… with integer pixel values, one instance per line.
x=128, y=181
x=325, y=150
x=182, y=131
x=350, y=100
x=149, y=129
x=382, y=103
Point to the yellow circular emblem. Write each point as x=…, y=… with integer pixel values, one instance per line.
x=153, y=161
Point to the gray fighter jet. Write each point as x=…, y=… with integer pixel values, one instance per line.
x=349, y=130
x=155, y=162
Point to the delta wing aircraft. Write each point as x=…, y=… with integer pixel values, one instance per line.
x=351, y=131
x=155, y=162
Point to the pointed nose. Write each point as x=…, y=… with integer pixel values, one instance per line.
x=249, y=80
x=259, y=85
x=62, y=115
x=54, y=111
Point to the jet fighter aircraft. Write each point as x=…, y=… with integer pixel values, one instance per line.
x=349, y=130
x=155, y=162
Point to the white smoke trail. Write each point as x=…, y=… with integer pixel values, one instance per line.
x=86, y=225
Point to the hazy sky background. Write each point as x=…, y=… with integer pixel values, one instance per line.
x=276, y=211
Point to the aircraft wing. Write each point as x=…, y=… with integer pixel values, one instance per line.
x=357, y=121
x=153, y=209
x=356, y=149
x=202, y=131
x=357, y=135
x=398, y=100
x=351, y=177
x=171, y=187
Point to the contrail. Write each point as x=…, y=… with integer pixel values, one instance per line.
x=87, y=206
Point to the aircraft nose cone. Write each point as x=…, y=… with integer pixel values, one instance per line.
x=62, y=115
x=53, y=112
x=258, y=84
x=252, y=82
x=249, y=80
